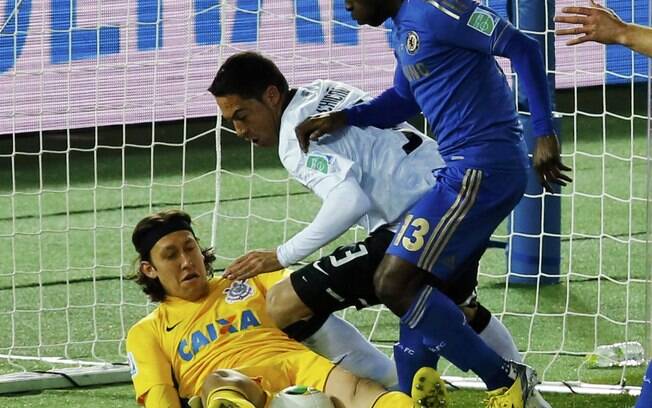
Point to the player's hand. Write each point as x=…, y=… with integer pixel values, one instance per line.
x=252, y=264
x=597, y=23
x=316, y=126
x=547, y=162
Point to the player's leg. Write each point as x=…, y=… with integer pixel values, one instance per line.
x=348, y=390
x=491, y=330
x=445, y=326
x=286, y=308
x=410, y=355
x=441, y=232
x=350, y=277
x=302, y=306
x=499, y=339
x=645, y=399
x=230, y=388
x=336, y=281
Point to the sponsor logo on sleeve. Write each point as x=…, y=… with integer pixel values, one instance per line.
x=318, y=162
x=483, y=21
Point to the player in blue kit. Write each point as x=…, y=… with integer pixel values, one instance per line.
x=645, y=399
x=446, y=69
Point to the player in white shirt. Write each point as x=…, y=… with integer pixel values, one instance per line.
x=368, y=177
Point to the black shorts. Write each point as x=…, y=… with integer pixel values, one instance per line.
x=346, y=277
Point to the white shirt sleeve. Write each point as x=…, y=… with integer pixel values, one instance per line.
x=344, y=204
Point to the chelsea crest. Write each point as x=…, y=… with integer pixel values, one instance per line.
x=412, y=42
x=238, y=291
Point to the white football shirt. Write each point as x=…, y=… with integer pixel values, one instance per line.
x=393, y=167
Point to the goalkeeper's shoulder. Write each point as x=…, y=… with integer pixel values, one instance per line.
x=146, y=326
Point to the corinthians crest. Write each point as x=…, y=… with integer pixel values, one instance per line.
x=238, y=291
x=412, y=42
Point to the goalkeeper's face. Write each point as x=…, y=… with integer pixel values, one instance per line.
x=255, y=120
x=177, y=261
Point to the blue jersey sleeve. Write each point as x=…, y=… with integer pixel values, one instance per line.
x=402, y=86
x=393, y=106
x=481, y=29
x=476, y=28
x=528, y=63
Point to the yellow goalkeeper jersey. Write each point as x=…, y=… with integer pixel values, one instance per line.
x=181, y=342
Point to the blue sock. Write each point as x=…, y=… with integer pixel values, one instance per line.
x=444, y=328
x=645, y=399
x=410, y=354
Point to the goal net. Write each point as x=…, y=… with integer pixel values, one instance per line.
x=106, y=118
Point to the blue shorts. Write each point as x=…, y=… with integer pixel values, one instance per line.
x=455, y=219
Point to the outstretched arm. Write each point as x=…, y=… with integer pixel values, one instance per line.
x=341, y=208
x=600, y=24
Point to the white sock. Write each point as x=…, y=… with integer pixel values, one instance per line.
x=500, y=340
x=340, y=342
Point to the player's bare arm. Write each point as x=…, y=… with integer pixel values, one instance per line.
x=600, y=24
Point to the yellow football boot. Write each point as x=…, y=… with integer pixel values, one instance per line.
x=428, y=389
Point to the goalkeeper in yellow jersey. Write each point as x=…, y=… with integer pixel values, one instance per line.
x=213, y=338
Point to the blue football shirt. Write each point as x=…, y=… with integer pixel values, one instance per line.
x=446, y=66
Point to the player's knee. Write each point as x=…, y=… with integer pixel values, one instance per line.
x=478, y=317
x=234, y=381
x=383, y=286
x=385, y=281
x=216, y=379
x=396, y=282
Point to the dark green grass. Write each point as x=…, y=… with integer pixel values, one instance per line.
x=122, y=396
x=66, y=217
